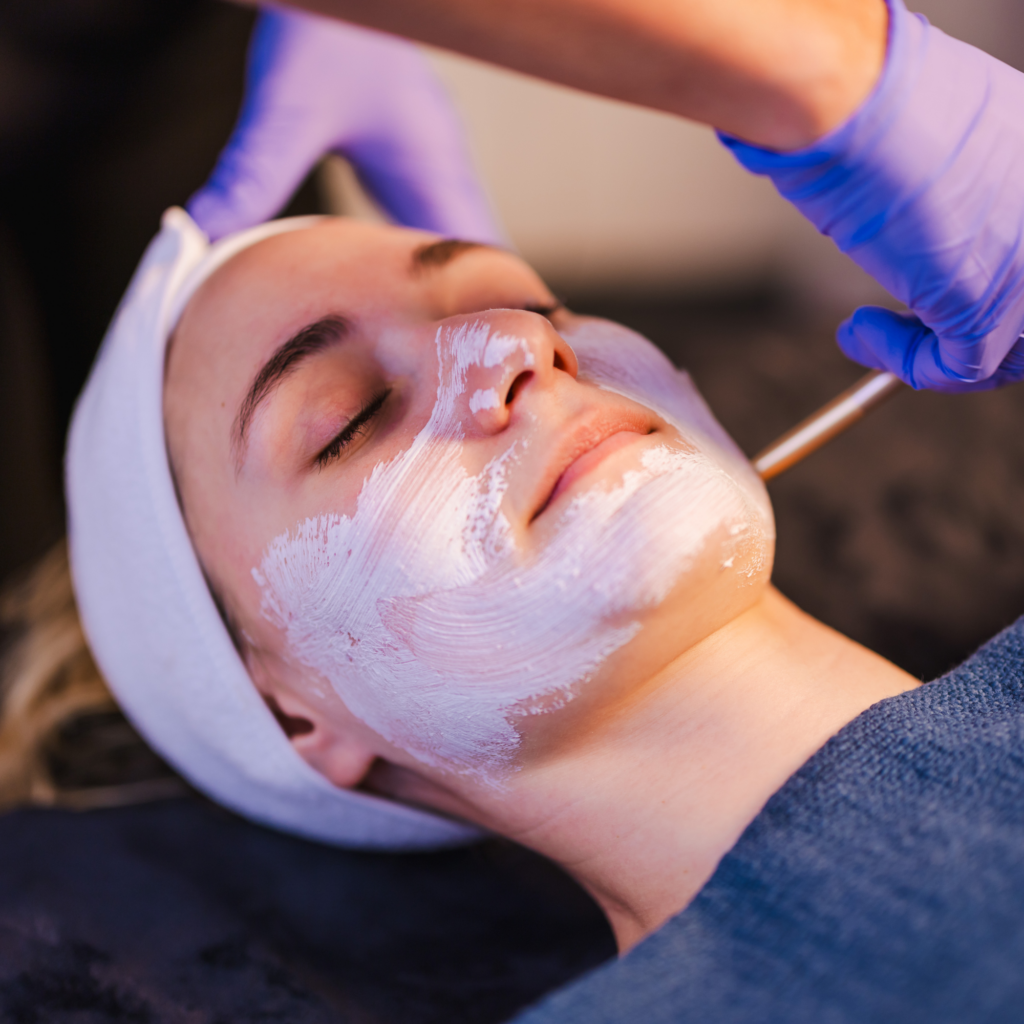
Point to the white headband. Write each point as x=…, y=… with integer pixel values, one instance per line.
x=148, y=614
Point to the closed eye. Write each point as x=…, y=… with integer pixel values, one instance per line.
x=353, y=429
x=546, y=311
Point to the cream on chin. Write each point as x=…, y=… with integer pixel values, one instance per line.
x=436, y=629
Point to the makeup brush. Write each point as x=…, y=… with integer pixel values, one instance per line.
x=829, y=421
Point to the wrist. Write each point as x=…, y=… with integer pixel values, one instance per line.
x=853, y=56
x=815, y=67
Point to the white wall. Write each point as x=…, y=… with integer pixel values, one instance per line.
x=599, y=194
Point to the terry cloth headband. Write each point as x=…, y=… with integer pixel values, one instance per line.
x=147, y=612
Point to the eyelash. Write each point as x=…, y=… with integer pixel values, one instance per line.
x=545, y=311
x=352, y=429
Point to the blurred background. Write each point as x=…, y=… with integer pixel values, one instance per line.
x=906, y=533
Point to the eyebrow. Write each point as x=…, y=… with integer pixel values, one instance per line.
x=313, y=338
x=436, y=254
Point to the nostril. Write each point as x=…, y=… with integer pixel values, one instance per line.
x=517, y=385
x=560, y=363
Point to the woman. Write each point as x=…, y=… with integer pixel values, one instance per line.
x=497, y=561
x=520, y=550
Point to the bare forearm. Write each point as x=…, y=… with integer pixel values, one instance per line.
x=778, y=73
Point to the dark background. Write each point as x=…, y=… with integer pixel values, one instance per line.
x=906, y=534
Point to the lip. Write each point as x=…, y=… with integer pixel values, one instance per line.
x=584, y=448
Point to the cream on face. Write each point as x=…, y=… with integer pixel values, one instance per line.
x=428, y=620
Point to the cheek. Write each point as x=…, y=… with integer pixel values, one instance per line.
x=726, y=573
x=346, y=591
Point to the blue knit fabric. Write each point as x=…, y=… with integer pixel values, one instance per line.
x=884, y=882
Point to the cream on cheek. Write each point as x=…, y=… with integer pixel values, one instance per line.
x=435, y=629
x=620, y=360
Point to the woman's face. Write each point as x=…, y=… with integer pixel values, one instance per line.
x=439, y=506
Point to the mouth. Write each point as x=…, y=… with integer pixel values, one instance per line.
x=584, y=448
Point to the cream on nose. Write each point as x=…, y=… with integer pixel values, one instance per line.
x=522, y=351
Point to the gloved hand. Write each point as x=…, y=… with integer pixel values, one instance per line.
x=314, y=86
x=924, y=188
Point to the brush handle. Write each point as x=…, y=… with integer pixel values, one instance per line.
x=820, y=427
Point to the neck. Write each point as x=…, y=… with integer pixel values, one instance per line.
x=644, y=810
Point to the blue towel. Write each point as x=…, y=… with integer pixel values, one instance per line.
x=883, y=882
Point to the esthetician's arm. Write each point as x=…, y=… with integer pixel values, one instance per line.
x=778, y=73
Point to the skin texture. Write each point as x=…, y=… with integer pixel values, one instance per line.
x=643, y=782
x=777, y=73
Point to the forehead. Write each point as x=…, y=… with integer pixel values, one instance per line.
x=338, y=264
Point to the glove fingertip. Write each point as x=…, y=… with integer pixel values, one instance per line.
x=221, y=210
x=213, y=213
x=857, y=337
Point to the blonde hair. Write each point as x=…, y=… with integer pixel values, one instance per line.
x=51, y=694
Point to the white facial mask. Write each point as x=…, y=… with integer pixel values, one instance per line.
x=429, y=623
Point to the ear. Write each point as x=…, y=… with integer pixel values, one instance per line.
x=324, y=733
x=331, y=744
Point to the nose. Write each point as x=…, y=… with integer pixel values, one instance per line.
x=516, y=353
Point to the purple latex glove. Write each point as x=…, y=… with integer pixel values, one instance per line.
x=317, y=86
x=924, y=188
